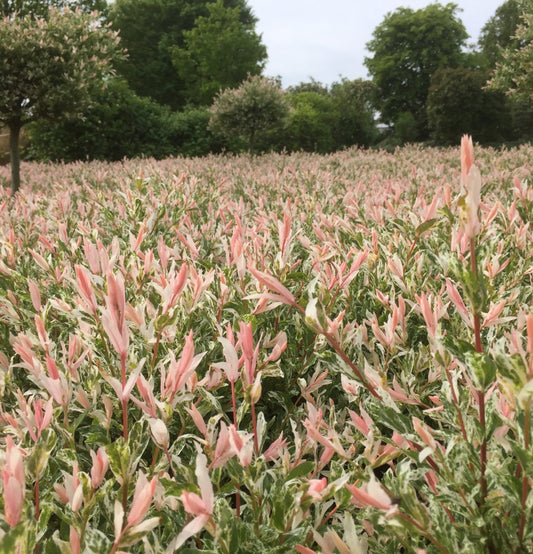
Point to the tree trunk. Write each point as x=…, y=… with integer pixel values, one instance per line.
x=14, y=152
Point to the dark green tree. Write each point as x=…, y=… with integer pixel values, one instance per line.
x=408, y=46
x=354, y=112
x=251, y=111
x=120, y=125
x=150, y=31
x=458, y=104
x=49, y=69
x=218, y=52
x=499, y=32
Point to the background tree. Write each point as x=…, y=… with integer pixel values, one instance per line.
x=49, y=68
x=514, y=74
x=499, y=32
x=310, y=124
x=458, y=104
x=121, y=125
x=40, y=8
x=250, y=111
x=355, y=114
x=219, y=52
x=151, y=30
x=408, y=47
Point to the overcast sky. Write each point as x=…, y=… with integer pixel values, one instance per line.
x=325, y=39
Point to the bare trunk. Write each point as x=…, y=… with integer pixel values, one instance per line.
x=14, y=151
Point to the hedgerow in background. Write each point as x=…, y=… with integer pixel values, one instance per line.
x=49, y=68
x=121, y=125
x=277, y=353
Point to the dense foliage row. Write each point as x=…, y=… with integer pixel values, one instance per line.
x=274, y=354
x=427, y=84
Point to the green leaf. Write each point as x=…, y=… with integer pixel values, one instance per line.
x=426, y=226
x=300, y=470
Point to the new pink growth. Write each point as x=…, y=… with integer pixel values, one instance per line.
x=142, y=498
x=249, y=353
x=32, y=414
x=85, y=289
x=14, y=483
x=114, y=316
x=200, y=506
x=372, y=494
x=471, y=181
x=180, y=371
x=281, y=293
x=99, y=468
x=458, y=302
x=273, y=452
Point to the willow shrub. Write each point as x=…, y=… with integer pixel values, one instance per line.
x=271, y=354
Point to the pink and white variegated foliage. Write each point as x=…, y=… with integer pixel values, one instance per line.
x=278, y=354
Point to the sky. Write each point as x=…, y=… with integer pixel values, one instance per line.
x=325, y=39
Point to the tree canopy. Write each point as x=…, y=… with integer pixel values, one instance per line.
x=458, y=104
x=49, y=69
x=40, y=8
x=218, y=52
x=408, y=46
x=499, y=31
x=253, y=109
x=514, y=74
x=151, y=30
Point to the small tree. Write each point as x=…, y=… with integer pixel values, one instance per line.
x=250, y=111
x=49, y=68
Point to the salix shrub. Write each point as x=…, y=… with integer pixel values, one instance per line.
x=49, y=67
x=286, y=353
x=249, y=112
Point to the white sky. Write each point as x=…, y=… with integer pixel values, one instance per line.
x=325, y=39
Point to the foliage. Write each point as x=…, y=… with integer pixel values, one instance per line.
x=40, y=8
x=310, y=124
x=355, y=114
x=310, y=86
x=120, y=125
x=408, y=46
x=458, y=103
x=49, y=68
x=151, y=30
x=251, y=111
x=285, y=353
x=513, y=74
x=325, y=120
x=218, y=53
x=499, y=32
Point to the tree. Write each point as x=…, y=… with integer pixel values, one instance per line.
x=458, y=104
x=151, y=30
x=311, y=122
x=40, y=8
x=499, y=31
x=250, y=111
x=514, y=74
x=408, y=47
x=355, y=114
x=49, y=68
x=120, y=125
x=219, y=52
